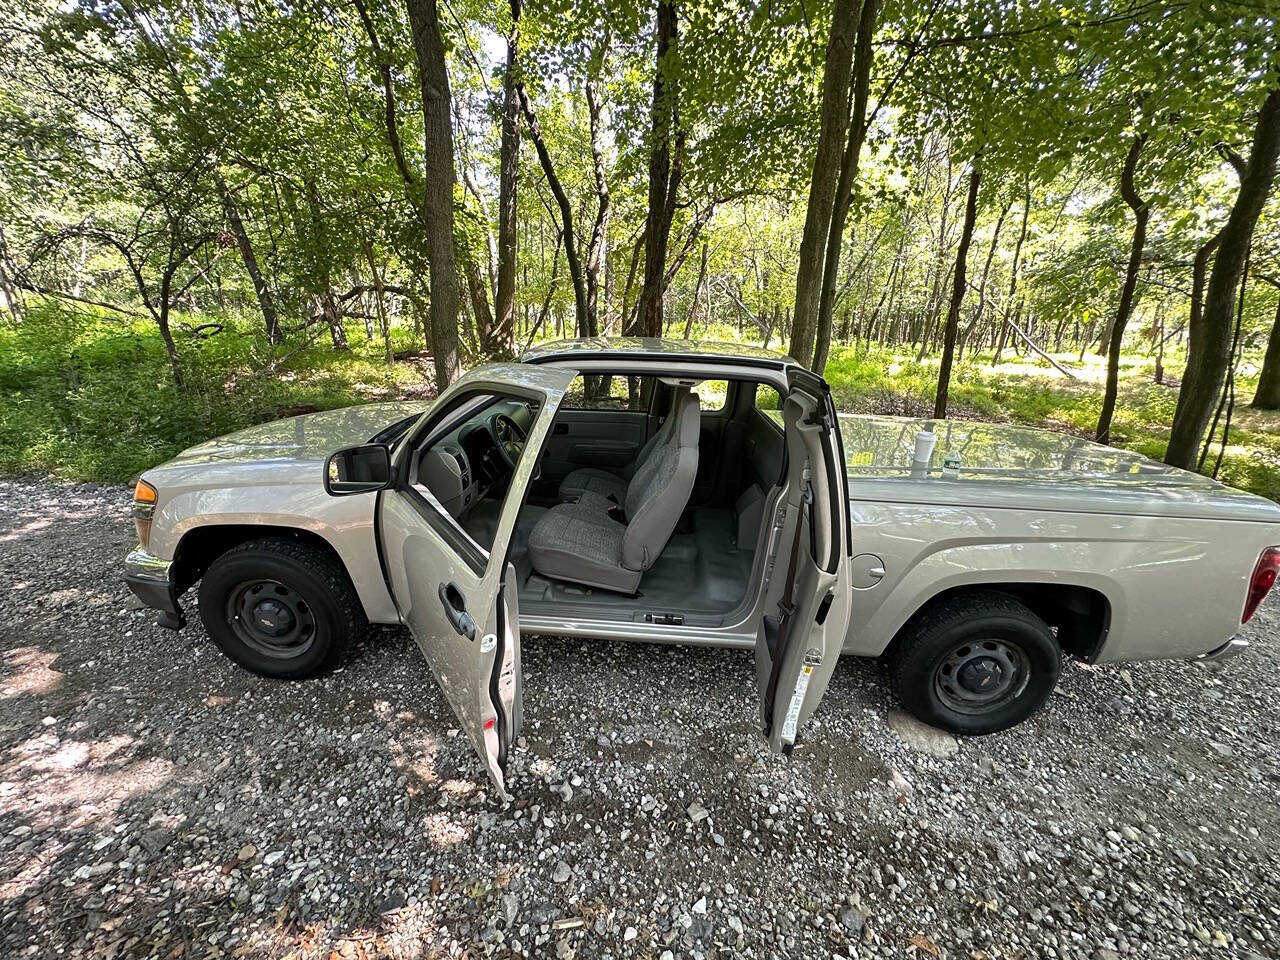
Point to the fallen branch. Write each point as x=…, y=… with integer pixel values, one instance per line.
x=1037, y=348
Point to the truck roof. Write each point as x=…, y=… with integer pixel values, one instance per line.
x=622, y=347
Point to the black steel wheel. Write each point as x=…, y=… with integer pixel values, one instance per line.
x=975, y=663
x=281, y=607
x=271, y=617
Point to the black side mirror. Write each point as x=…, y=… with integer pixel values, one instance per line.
x=357, y=470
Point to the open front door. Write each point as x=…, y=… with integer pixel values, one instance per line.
x=807, y=602
x=445, y=526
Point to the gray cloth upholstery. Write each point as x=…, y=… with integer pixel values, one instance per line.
x=565, y=545
x=593, y=480
x=609, y=484
x=580, y=542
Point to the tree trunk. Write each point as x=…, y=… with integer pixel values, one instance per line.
x=1207, y=360
x=697, y=290
x=863, y=53
x=8, y=286
x=166, y=334
x=566, y=214
x=665, y=173
x=1141, y=214
x=433, y=77
x=982, y=284
x=597, y=247
x=823, y=179
x=504, y=305
x=479, y=301
x=1267, y=396
x=957, y=290
x=266, y=304
x=1013, y=270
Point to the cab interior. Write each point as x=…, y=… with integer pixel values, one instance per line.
x=609, y=428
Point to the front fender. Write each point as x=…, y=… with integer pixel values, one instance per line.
x=345, y=523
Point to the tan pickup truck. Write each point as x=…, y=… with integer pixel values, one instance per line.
x=680, y=492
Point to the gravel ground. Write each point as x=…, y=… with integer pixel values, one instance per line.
x=157, y=801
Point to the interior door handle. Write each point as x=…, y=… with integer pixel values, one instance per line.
x=560, y=429
x=455, y=608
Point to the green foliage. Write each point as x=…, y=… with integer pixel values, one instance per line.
x=85, y=396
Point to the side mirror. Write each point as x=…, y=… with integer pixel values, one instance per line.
x=357, y=470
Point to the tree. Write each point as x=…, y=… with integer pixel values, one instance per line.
x=833, y=124
x=857, y=133
x=1267, y=396
x=433, y=76
x=957, y=290
x=1209, y=356
x=666, y=168
x=508, y=180
x=1141, y=216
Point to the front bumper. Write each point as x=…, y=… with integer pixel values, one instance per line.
x=1232, y=648
x=149, y=578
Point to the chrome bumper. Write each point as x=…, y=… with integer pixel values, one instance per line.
x=148, y=576
x=1232, y=648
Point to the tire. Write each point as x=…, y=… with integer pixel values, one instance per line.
x=281, y=608
x=947, y=654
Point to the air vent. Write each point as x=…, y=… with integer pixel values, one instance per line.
x=463, y=471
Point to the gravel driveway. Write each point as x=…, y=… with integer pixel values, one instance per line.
x=157, y=801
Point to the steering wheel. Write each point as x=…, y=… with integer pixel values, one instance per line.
x=510, y=439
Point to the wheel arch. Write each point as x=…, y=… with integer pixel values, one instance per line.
x=1080, y=616
x=201, y=545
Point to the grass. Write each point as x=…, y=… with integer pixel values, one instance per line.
x=88, y=395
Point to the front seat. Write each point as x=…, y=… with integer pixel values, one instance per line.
x=610, y=485
x=588, y=542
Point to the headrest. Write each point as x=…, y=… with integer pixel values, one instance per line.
x=688, y=419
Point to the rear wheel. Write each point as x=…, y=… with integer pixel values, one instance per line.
x=280, y=608
x=975, y=663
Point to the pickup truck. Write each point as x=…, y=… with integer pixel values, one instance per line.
x=682, y=492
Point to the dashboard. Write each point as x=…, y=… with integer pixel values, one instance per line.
x=468, y=463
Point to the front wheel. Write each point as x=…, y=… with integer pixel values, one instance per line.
x=280, y=608
x=976, y=663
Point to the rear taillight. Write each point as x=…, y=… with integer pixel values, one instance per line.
x=1263, y=579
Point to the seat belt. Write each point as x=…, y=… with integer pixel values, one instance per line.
x=777, y=630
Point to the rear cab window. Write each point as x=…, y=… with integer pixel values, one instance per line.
x=608, y=392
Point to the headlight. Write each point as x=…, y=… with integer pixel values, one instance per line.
x=144, y=508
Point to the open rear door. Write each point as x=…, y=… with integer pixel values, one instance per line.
x=456, y=592
x=807, y=593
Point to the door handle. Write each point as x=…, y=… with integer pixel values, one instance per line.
x=455, y=609
x=560, y=429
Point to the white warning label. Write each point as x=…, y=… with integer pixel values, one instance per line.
x=797, y=701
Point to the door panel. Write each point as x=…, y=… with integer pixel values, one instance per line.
x=608, y=439
x=458, y=600
x=800, y=640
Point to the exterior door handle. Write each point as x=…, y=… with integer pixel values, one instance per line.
x=876, y=572
x=455, y=609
